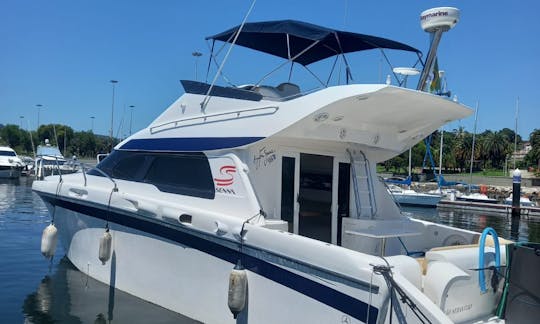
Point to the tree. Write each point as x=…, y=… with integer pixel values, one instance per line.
x=11, y=134
x=462, y=148
x=496, y=146
x=83, y=144
x=533, y=157
x=510, y=135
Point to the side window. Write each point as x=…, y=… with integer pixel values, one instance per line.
x=130, y=167
x=107, y=165
x=185, y=174
x=124, y=165
x=7, y=153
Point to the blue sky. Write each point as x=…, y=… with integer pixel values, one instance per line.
x=62, y=54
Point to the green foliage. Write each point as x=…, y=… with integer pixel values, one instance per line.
x=495, y=148
x=533, y=157
x=491, y=150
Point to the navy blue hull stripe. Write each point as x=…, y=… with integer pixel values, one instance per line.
x=188, y=144
x=324, y=294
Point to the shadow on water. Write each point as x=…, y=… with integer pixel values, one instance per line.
x=69, y=296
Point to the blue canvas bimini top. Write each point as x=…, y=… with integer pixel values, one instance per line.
x=288, y=38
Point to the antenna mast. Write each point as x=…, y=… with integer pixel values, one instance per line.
x=435, y=21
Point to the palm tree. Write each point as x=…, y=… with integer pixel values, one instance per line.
x=496, y=147
x=462, y=148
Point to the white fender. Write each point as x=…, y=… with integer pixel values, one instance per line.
x=105, y=247
x=48, y=240
x=237, y=290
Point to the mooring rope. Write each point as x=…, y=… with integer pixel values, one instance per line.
x=386, y=272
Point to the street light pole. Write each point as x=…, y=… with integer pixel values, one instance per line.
x=92, y=123
x=38, y=110
x=131, y=118
x=515, y=132
x=21, y=120
x=196, y=55
x=114, y=82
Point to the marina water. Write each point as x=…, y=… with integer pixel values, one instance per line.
x=35, y=290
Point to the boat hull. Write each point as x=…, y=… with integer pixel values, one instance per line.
x=188, y=274
x=478, y=200
x=418, y=200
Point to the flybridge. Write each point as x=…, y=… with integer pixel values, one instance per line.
x=302, y=43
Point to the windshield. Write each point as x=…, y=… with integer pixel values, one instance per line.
x=7, y=153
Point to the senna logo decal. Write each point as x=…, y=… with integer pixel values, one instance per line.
x=227, y=176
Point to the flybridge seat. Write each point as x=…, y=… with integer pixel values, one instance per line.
x=283, y=92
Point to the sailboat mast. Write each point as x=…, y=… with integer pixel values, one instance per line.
x=440, y=152
x=410, y=161
x=473, y=142
x=515, y=132
x=65, y=136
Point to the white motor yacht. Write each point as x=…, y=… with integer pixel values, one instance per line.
x=476, y=197
x=10, y=164
x=49, y=161
x=259, y=203
x=523, y=201
x=413, y=198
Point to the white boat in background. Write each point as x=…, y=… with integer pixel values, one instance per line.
x=28, y=165
x=523, y=201
x=413, y=198
x=250, y=200
x=10, y=164
x=476, y=197
x=49, y=161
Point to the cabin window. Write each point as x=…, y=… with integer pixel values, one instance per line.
x=180, y=173
x=130, y=168
x=7, y=153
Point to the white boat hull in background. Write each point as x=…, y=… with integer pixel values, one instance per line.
x=425, y=200
x=413, y=198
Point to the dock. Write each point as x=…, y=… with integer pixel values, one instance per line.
x=487, y=207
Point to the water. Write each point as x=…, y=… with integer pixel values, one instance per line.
x=34, y=290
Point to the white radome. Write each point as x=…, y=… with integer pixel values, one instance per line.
x=444, y=18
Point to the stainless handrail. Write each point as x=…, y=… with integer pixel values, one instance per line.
x=115, y=189
x=205, y=117
x=83, y=172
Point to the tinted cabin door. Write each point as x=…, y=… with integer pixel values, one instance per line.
x=315, y=197
x=344, y=192
x=288, y=190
